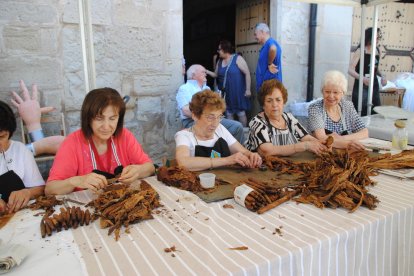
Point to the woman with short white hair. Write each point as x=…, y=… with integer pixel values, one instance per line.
x=336, y=116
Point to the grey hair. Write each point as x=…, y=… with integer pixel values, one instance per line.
x=191, y=71
x=335, y=77
x=262, y=27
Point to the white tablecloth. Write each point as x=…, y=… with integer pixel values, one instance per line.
x=312, y=241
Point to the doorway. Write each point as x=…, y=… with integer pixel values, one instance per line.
x=205, y=24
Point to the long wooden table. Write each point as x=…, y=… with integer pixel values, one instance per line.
x=307, y=241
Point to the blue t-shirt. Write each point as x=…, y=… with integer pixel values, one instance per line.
x=262, y=70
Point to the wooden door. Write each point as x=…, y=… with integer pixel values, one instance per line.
x=248, y=14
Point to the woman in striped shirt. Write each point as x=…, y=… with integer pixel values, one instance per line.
x=274, y=132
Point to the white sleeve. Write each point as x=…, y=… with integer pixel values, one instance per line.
x=32, y=176
x=226, y=135
x=183, y=139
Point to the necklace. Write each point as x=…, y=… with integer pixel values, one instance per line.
x=201, y=137
x=335, y=115
x=280, y=123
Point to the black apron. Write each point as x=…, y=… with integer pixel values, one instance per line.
x=219, y=149
x=9, y=182
x=97, y=161
x=341, y=117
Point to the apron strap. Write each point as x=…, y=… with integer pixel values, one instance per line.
x=93, y=158
x=341, y=118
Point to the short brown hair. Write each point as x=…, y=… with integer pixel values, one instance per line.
x=268, y=87
x=94, y=104
x=226, y=47
x=206, y=99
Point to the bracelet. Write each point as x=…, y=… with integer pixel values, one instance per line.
x=211, y=163
x=36, y=135
x=31, y=148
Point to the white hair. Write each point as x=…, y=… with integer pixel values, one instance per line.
x=192, y=70
x=335, y=77
x=262, y=27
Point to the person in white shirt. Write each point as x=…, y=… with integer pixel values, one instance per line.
x=20, y=179
x=207, y=144
x=196, y=82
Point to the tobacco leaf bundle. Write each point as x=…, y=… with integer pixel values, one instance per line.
x=339, y=180
x=45, y=202
x=405, y=159
x=124, y=206
x=180, y=178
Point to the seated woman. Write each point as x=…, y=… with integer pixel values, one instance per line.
x=274, y=132
x=335, y=116
x=101, y=149
x=208, y=144
x=20, y=179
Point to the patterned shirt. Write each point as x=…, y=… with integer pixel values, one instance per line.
x=261, y=131
x=319, y=119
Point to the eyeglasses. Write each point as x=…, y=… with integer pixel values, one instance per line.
x=211, y=118
x=329, y=92
x=219, y=49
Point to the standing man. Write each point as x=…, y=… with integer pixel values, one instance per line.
x=269, y=65
x=196, y=82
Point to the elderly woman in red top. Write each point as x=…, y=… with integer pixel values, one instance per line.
x=100, y=150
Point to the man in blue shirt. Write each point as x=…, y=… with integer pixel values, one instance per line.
x=196, y=82
x=269, y=65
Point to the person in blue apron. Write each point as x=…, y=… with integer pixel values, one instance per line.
x=336, y=116
x=208, y=144
x=102, y=149
x=275, y=132
x=20, y=179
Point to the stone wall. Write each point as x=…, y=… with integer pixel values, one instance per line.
x=138, y=51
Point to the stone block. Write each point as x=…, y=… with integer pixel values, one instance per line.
x=74, y=91
x=149, y=104
x=28, y=12
x=45, y=71
x=72, y=49
x=23, y=40
x=173, y=41
x=129, y=49
x=126, y=14
x=108, y=79
x=168, y=6
x=18, y=39
x=100, y=11
x=152, y=84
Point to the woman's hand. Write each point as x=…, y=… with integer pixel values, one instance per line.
x=354, y=145
x=255, y=159
x=365, y=80
x=129, y=174
x=18, y=199
x=273, y=68
x=92, y=181
x=239, y=158
x=248, y=93
x=316, y=147
x=3, y=206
